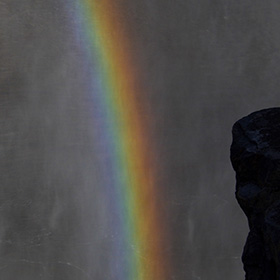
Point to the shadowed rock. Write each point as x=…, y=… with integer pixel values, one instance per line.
x=255, y=156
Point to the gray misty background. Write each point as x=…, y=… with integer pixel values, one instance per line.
x=205, y=64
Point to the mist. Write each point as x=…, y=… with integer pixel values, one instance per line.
x=204, y=65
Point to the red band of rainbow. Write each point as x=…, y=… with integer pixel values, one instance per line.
x=139, y=252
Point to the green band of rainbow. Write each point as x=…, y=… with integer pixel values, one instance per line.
x=140, y=248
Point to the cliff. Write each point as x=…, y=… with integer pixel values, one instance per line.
x=255, y=156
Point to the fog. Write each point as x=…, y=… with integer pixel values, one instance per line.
x=204, y=65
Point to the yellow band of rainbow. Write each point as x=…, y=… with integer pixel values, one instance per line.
x=142, y=246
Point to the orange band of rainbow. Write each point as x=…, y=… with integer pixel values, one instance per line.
x=131, y=153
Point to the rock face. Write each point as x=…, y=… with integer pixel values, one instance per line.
x=255, y=156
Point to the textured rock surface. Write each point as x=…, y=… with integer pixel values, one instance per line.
x=255, y=156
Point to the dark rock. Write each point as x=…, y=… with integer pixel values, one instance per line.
x=255, y=156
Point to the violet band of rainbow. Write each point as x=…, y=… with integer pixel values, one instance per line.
x=138, y=252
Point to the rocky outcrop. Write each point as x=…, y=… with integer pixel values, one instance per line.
x=255, y=156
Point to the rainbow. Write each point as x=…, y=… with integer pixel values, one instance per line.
x=139, y=252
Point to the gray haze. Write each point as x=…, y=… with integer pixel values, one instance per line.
x=205, y=64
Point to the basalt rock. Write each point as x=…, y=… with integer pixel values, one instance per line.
x=255, y=156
